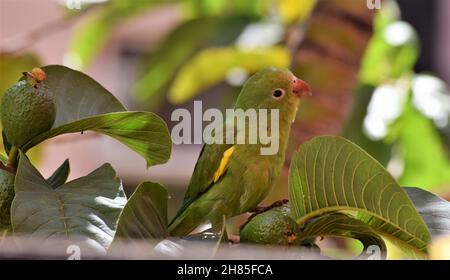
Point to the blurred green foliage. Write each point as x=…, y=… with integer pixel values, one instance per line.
x=94, y=29
x=161, y=67
x=205, y=26
x=353, y=129
x=412, y=140
x=425, y=161
x=215, y=39
x=393, y=49
x=190, y=81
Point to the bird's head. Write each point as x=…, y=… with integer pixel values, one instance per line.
x=273, y=88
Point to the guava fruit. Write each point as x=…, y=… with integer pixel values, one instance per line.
x=6, y=197
x=274, y=226
x=27, y=108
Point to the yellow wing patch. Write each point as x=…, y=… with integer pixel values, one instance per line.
x=223, y=164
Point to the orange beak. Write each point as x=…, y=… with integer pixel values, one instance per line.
x=300, y=88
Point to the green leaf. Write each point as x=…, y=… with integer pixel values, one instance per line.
x=211, y=66
x=342, y=225
x=144, y=132
x=77, y=95
x=434, y=210
x=6, y=197
x=145, y=214
x=59, y=177
x=83, y=104
x=87, y=207
x=332, y=174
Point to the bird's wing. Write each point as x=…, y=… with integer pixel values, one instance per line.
x=211, y=165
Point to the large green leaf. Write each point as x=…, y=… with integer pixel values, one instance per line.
x=198, y=73
x=331, y=174
x=87, y=207
x=144, y=132
x=6, y=197
x=83, y=104
x=342, y=225
x=145, y=214
x=434, y=210
x=77, y=95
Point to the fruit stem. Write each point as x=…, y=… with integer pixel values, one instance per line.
x=12, y=157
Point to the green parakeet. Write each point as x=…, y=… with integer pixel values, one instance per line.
x=231, y=179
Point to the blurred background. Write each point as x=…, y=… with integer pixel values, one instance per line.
x=379, y=76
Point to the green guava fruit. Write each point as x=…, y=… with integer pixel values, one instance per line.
x=27, y=109
x=6, y=197
x=274, y=226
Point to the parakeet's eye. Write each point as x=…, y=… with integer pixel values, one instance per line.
x=278, y=93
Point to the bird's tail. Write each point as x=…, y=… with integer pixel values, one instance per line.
x=180, y=211
x=183, y=223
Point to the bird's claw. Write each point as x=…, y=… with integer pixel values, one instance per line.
x=234, y=239
x=261, y=209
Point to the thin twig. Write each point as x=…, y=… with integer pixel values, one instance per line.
x=7, y=168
